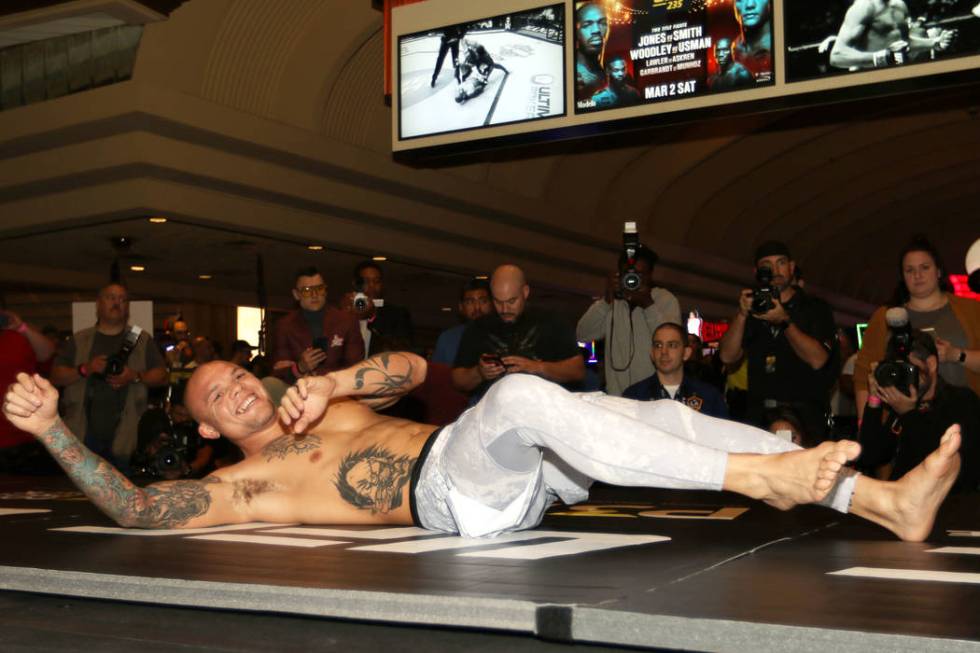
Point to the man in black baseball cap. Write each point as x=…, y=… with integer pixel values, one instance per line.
x=241, y=353
x=789, y=339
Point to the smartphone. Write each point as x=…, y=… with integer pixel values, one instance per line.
x=322, y=343
x=493, y=358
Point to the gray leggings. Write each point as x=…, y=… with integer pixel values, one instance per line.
x=529, y=440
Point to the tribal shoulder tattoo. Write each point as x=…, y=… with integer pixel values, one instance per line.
x=373, y=479
x=164, y=505
x=289, y=444
x=377, y=378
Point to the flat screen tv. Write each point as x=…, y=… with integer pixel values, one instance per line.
x=636, y=52
x=497, y=70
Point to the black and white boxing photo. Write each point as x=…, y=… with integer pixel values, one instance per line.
x=499, y=70
x=833, y=37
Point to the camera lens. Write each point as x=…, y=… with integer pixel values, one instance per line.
x=631, y=281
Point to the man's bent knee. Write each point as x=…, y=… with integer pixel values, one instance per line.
x=519, y=389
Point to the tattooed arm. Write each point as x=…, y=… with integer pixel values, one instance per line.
x=381, y=380
x=31, y=405
x=377, y=382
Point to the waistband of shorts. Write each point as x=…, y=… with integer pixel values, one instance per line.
x=417, y=473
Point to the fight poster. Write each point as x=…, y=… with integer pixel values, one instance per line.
x=635, y=52
x=837, y=37
x=492, y=71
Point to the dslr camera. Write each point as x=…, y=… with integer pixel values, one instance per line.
x=116, y=363
x=629, y=279
x=896, y=371
x=165, y=450
x=763, y=294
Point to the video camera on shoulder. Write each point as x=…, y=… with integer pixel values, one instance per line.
x=629, y=279
x=764, y=293
x=116, y=363
x=360, y=299
x=896, y=371
x=165, y=450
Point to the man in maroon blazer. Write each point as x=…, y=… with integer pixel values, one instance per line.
x=316, y=338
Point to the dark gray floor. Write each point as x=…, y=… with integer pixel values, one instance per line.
x=32, y=623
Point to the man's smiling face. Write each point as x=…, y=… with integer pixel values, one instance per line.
x=229, y=400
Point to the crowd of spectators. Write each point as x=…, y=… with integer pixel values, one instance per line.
x=782, y=364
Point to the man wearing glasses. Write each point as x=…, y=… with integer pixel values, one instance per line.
x=315, y=338
x=671, y=349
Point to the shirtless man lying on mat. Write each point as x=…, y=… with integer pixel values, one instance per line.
x=325, y=457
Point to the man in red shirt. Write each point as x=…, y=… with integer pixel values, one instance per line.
x=21, y=348
x=316, y=338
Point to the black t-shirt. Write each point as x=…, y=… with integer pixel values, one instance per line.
x=535, y=334
x=775, y=371
x=906, y=440
x=103, y=404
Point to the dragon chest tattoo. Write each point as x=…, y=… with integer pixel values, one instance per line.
x=373, y=479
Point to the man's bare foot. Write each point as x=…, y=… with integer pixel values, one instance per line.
x=832, y=463
x=789, y=479
x=908, y=506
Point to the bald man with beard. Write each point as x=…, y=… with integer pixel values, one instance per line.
x=516, y=340
x=325, y=457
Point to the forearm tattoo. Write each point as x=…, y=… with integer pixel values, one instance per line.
x=165, y=505
x=288, y=444
x=373, y=479
x=378, y=378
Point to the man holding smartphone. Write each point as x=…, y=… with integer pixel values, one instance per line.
x=514, y=340
x=315, y=338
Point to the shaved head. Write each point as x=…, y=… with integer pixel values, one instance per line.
x=509, y=289
x=224, y=398
x=196, y=391
x=508, y=274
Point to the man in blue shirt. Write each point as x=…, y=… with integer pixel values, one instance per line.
x=669, y=352
x=474, y=303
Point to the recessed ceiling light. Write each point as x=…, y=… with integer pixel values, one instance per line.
x=314, y=248
x=482, y=277
x=136, y=268
x=204, y=277
x=158, y=219
x=446, y=309
x=379, y=258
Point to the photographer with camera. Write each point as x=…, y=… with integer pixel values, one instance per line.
x=626, y=317
x=106, y=371
x=789, y=339
x=169, y=447
x=315, y=338
x=516, y=339
x=925, y=293
x=384, y=326
x=910, y=406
